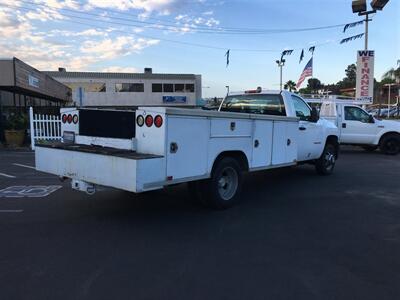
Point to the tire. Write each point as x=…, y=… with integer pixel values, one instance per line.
x=223, y=189
x=390, y=144
x=326, y=163
x=370, y=148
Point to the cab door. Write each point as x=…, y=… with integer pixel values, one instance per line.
x=357, y=126
x=310, y=141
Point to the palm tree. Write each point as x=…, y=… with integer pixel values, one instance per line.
x=393, y=73
x=290, y=85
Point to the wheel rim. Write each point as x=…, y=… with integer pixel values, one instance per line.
x=329, y=160
x=392, y=146
x=228, y=183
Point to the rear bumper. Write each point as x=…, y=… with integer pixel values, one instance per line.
x=121, y=169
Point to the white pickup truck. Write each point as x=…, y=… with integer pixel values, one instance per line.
x=152, y=147
x=357, y=127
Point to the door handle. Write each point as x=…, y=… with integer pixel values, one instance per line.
x=302, y=128
x=344, y=125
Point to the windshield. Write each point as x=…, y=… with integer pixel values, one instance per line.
x=255, y=104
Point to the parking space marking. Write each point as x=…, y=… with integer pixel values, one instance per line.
x=7, y=175
x=11, y=210
x=24, y=166
x=31, y=191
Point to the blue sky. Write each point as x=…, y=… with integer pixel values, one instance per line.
x=128, y=35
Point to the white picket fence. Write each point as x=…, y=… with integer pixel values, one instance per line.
x=44, y=127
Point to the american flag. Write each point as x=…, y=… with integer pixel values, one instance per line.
x=307, y=72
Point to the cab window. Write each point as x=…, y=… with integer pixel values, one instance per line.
x=255, y=104
x=303, y=111
x=352, y=113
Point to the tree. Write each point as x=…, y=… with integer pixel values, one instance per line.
x=351, y=73
x=314, y=84
x=350, y=80
x=290, y=85
x=393, y=74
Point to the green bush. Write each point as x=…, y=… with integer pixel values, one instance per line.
x=16, y=121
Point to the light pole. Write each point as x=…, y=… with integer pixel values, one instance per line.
x=389, y=85
x=360, y=7
x=280, y=64
x=227, y=90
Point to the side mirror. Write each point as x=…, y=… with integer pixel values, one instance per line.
x=371, y=119
x=314, y=115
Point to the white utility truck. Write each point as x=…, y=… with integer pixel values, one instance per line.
x=152, y=147
x=357, y=127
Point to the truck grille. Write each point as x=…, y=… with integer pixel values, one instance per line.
x=107, y=123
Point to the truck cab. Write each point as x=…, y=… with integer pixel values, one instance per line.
x=312, y=130
x=357, y=127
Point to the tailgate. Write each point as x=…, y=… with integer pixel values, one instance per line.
x=122, y=169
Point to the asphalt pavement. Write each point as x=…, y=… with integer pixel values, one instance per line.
x=295, y=235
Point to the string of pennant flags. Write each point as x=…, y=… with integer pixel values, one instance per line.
x=311, y=49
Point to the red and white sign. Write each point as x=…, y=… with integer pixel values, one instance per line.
x=365, y=76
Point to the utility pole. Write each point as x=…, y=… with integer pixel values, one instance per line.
x=280, y=64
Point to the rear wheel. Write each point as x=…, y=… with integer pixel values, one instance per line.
x=390, y=144
x=223, y=189
x=326, y=163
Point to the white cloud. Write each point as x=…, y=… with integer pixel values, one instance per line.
x=160, y=6
x=112, y=48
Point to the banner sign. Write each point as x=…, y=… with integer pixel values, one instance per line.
x=33, y=81
x=365, y=76
x=174, y=99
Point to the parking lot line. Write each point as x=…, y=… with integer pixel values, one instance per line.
x=11, y=210
x=24, y=166
x=7, y=175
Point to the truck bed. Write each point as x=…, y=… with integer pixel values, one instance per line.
x=99, y=150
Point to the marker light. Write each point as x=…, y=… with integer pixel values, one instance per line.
x=149, y=121
x=75, y=119
x=69, y=119
x=158, y=121
x=64, y=118
x=140, y=120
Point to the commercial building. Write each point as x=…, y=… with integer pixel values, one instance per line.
x=98, y=89
x=22, y=86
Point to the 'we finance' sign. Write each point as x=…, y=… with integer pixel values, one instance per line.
x=365, y=76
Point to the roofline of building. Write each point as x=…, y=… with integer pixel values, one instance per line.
x=115, y=75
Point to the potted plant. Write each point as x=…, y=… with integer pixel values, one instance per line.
x=15, y=127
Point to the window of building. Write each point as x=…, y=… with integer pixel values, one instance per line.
x=89, y=87
x=168, y=88
x=129, y=87
x=179, y=87
x=189, y=87
x=157, y=88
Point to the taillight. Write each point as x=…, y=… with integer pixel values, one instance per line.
x=140, y=120
x=149, y=121
x=158, y=121
x=64, y=118
x=69, y=119
x=75, y=119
